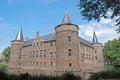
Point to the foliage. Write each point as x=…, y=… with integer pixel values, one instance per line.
x=104, y=75
x=26, y=76
x=112, y=52
x=70, y=76
x=3, y=67
x=6, y=53
x=97, y=9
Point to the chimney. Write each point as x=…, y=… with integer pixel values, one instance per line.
x=37, y=35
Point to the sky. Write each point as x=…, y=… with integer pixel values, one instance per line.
x=43, y=16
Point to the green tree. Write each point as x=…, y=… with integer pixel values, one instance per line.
x=97, y=9
x=6, y=53
x=112, y=51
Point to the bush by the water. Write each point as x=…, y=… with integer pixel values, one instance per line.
x=26, y=76
x=110, y=74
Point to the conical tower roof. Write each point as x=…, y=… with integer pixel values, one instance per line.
x=94, y=38
x=19, y=35
x=66, y=19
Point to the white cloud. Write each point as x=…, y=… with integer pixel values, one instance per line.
x=104, y=29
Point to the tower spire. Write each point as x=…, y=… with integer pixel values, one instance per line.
x=66, y=18
x=94, y=38
x=19, y=35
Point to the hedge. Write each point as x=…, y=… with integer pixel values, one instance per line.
x=106, y=75
x=26, y=76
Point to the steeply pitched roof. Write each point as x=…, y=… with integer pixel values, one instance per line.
x=46, y=38
x=66, y=18
x=85, y=42
x=19, y=35
x=95, y=38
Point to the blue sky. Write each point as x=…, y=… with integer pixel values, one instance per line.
x=39, y=15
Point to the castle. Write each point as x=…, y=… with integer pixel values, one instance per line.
x=56, y=53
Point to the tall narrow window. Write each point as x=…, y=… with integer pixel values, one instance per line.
x=33, y=54
x=51, y=63
x=95, y=52
x=96, y=57
x=33, y=44
x=51, y=55
x=37, y=63
x=51, y=43
x=19, y=63
x=44, y=53
x=55, y=43
x=92, y=57
x=69, y=38
x=44, y=63
x=37, y=43
x=83, y=55
x=30, y=54
x=36, y=54
x=70, y=64
x=33, y=62
x=69, y=52
x=41, y=42
x=40, y=53
x=19, y=56
x=41, y=63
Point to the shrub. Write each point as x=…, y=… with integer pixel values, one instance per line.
x=110, y=74
x=26, y=76
x=70, y=76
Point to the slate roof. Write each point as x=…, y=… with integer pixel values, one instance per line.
x=19, y=36
x=46, y=38
x=95, y=38
x=66, y=19
x=52, y=37
x=85, y=42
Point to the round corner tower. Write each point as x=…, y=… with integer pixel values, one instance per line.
x=16, y=45
x=67, y=46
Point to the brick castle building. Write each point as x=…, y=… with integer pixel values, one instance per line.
x=64, y=50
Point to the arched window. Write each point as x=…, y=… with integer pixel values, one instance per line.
x=70, y=64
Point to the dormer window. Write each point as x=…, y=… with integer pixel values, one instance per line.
x=95, y=52
x=33, y=44
x=41, y=42
x=51, y=43
x=37, y=43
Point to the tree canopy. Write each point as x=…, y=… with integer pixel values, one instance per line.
x=112, y=51
x=97, y=9
x=6, y=53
